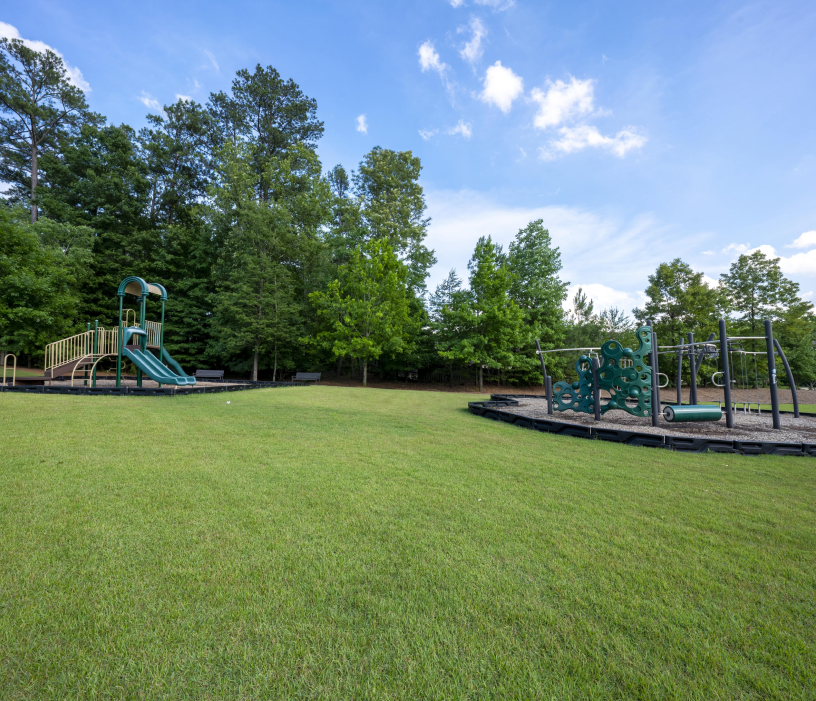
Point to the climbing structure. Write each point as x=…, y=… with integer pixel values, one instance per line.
x=623, y=374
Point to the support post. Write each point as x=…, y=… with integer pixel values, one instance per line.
x=549, y=395
x=656, y=409
x=547, y=379
x=729, y=414
x=119, y=343
x=142, y=339
x=88, y=351
x=680, y=372
x=769, y=349
x=95, y=350
x=692, y=370
x=596, y=390
x=789, y=375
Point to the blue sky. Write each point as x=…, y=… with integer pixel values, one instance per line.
x=639, y=132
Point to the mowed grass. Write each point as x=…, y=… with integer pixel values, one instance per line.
x=345, y=543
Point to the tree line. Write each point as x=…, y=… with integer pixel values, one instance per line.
x=275, y=264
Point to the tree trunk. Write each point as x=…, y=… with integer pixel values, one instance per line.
x=339, y=365
x=481, y=385
x=365, y=371
x=275, y=368
x=34, y=213
x=255, y=366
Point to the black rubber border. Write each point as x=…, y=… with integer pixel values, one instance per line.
x=493, y=410
x=149, y=391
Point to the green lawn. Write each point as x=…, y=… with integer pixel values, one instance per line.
x=344, y=543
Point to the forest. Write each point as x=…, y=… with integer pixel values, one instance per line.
x=275, y=263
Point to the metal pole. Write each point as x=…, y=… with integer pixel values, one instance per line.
x=549, y=395
x=596, y=390
x=119, y=343
x=143, y=302
x=680, y=373
x=769, y=348
x=729, y=414
x=655, y=379
x=88, y=346
x=547, y=379
x=693, y=371
x=790, y=379
x=95, y=350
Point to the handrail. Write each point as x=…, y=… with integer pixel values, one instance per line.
x=68, y=349
x=153, y=329
x=14, y=371
x=714, y=382
x=666, y=384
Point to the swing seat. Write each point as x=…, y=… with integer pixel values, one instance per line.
x=698, y=412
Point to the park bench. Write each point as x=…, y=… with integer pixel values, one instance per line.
x=209, y=374
x=306, y=377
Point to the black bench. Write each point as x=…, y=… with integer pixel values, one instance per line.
x=209, y=374
x=306, y=377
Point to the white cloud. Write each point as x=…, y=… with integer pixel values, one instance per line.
x=472, y=51
x=463, y=128
x=459, y=218
x=562, y=101
x=362, y=124
x=457, y=3
x=798, y=264
x=428, y=133
x=501, y=87
x=708, y=253
x=75, y=78
x=604, y=297
x=214, y=63
x=429, y=59
x=806, y=240
x=186, y=98
x=710, y=281
x=584, y=136
x=150, y=102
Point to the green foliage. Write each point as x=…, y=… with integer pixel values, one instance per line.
x=366, y=310
x=679, y=302
x=39, y=291
x=392, y=205
x=38, y=107
x=483, y=325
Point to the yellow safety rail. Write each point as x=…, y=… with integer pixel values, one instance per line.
x=68, y=349
x=14, y=371
x=153, y=329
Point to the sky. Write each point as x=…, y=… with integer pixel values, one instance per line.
x=638, y=132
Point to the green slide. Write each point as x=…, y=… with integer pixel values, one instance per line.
x=150, y=365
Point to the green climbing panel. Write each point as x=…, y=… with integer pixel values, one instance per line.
x=623, y=373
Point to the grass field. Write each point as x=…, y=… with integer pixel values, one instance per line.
x=343, y=543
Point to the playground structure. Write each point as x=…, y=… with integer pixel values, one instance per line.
x=628, y=377
x=79, y=355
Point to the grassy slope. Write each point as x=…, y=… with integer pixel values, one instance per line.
x=342, y=543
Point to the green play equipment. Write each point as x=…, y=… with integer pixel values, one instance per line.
x=623, y=373
x=692, y=412
x=148, y=334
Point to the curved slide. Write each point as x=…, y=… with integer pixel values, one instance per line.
x=150, y=366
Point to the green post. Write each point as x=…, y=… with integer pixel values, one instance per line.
x=119, y=354
x=143, y=301
x=95, y=350
x=161, y=339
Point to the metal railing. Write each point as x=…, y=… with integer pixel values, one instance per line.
x=153, y=329
x=68, y=349
x=13, y=372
